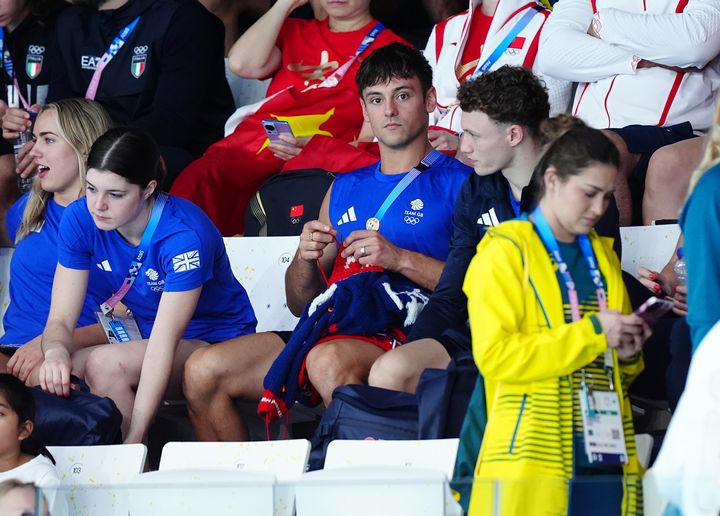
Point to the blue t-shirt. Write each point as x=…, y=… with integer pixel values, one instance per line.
x=32, y=270
x=186, y=252
x=419, y=220
x=700, y=222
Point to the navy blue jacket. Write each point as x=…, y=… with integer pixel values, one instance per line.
x=168, y=78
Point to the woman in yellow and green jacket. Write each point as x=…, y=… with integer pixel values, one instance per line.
x=539, y=352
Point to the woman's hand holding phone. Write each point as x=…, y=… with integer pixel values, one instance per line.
x=624, y=333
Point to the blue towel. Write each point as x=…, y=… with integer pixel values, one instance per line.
x=364, y=304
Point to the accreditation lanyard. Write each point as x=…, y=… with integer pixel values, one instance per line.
x=548, y=239
x=13, y=90
x=427, y=162
x=109, y=305
x=368, y=40
x=508, y=39
x=108, y=56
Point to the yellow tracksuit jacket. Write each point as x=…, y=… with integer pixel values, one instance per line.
x=523, y=347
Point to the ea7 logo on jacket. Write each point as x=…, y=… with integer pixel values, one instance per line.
x=139, y=60
x=89, y=62
x=34, y=60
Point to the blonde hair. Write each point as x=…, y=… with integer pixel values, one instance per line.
x=712, y=153
x=80, y=122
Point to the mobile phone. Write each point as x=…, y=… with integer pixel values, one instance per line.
x=653, y=309
x=274, y=128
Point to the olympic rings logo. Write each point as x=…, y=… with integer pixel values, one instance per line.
x=140, y=50
x=36, y=49
x=411, y=220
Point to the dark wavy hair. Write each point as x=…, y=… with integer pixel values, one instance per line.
x=20, y=400
x=130, y=153
x=394, y=61
x=508, y=95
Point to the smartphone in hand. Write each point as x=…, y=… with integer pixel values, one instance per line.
x=274, y=128
x=653, y=309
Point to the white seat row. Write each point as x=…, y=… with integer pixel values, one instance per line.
x=262, y=478
x=266, y=478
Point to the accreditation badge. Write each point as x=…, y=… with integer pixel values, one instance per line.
x=119, y=327
x=602, y=427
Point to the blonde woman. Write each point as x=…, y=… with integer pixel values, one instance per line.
x=700, y=222
x=64, y=132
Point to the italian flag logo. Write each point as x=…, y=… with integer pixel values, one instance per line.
x=33, y=65
x=137, y=67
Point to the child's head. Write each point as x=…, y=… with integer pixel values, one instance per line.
x=18, y=498
x=17, y=418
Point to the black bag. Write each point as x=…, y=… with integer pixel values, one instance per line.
x=82, y=419
x=363, y=412
x=443, y=397
x=286, y=201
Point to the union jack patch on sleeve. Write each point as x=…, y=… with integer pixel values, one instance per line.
x=186, y=261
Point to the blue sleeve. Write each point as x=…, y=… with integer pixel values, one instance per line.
x=74, y=247
x=13, y=218
x=447, y=307
x=188, y=260
x=701, y=228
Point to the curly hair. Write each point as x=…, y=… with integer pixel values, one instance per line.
x=509, y=95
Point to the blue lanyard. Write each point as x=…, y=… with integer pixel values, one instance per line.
x=6, y=59
x=110, y=53
x=548, y=239
x=509, y=38
x=425, y=164
x=515, y=204
x=370, y=38
x=109, y=305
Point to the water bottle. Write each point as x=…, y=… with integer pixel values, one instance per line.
x=679, y=268
x=24, y=184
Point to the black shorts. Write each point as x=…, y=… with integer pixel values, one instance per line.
x=284, y=335
x=456, y=340
x=8, y=349
x=646, y=139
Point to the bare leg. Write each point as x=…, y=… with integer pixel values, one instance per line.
x=8, y=193
x=668, y=176
x=113, y=370
x=216, y=375
x=340, y=362
x=628, y=161
x=400, y=369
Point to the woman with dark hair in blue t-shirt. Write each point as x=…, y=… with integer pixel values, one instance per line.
x=64, y=132
x=163, y=258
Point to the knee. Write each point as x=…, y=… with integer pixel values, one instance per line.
x=202, y=374
x=103, y=373
x=324, y=366
x=664, y=168
x=391, y=371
